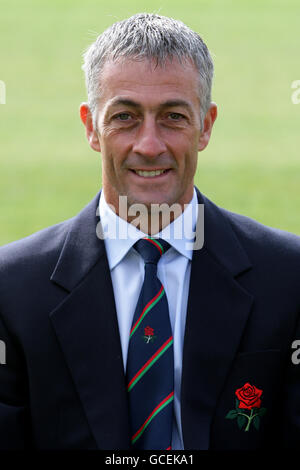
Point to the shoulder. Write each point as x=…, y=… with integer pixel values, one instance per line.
x=264, y=243
x=32, y=260
x=234, y=239
x=37, y=249
x=46, y=244
x=252, y=230
x=221, y=224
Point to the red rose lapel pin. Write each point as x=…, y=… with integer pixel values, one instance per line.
x=247, y=407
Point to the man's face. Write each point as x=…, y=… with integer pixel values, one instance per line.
x=148, y=131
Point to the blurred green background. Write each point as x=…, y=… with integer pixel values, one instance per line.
x=47, y=170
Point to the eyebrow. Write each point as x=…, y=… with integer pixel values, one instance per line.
x=166, y=104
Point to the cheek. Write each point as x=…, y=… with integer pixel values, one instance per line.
x=110, y=166
x=116, y=144
x=185, y=147
x=113, y=165
x=190, y=160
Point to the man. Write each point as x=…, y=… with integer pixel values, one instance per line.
x=69, y=294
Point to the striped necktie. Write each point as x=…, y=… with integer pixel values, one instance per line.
x=150, y=363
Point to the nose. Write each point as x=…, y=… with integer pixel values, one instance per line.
x=148, y=141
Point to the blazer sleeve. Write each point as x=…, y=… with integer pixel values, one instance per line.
x=291, y=395
x=14, y=403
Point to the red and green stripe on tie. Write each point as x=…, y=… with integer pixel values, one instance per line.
x=147, y=308
x=150, y=363
x=168, y=399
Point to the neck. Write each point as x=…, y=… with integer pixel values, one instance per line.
x=150, y=218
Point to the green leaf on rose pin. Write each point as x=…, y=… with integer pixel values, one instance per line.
x=247, y=407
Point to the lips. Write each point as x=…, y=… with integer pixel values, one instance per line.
x=150, y=173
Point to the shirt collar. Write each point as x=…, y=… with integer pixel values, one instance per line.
x=120, y=236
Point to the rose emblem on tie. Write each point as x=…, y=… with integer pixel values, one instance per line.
x=248, y=407
x=149, y=334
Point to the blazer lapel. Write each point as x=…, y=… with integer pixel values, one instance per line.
x=218, y=309
x=87, y=329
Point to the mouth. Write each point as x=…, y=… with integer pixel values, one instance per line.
x=151, y=173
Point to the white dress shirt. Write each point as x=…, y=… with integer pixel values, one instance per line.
x=173, y=270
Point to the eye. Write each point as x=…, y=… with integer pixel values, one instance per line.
x=123, y=117
x=176, y=116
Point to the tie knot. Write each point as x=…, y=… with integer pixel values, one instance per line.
x=151, y=249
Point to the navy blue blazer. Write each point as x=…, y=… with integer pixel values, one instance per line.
x=62, y=385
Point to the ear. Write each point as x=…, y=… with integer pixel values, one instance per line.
x=208, y=123
x=91, y=133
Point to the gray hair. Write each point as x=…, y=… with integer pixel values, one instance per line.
x=148, y=36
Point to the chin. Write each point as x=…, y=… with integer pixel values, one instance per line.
x=147, y=201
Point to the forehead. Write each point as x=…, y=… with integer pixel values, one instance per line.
x=149, y=84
